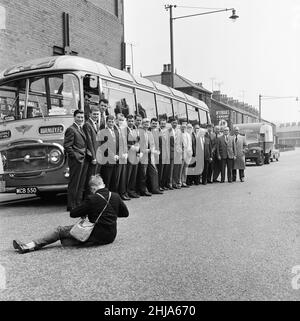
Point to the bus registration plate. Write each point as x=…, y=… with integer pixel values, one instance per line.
x=26, y=190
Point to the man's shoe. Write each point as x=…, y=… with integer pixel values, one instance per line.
x=170, y=187
x=209, y=182
x=242, y=180
x=133, y=195
x=21, y=247
x=125, y=198
x=222, y=182
x=185, y=185
x=157, y=192
x=161, y=189
x=146, y=194
x=229, y=181
x=216, y=181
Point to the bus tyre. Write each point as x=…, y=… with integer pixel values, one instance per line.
x=267, y=159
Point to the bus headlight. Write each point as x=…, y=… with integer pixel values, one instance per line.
x=254, y=151
x=55, y=156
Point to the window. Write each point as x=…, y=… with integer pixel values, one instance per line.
x=164, y=108
x=203, y=117
x=179, y=110
x=47, y=96
x=120, y=98
x=12, y=98
x=193, y=115
x=64, y=94
x=146, y=104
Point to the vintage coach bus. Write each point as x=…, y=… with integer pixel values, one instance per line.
x=37, y=101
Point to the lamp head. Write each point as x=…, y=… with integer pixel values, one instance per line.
x=234, y=16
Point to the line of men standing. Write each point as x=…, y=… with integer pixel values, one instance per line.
x=140, y=157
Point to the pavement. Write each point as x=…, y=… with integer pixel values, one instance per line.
x=237, y=241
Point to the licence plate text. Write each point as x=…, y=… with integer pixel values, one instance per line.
x=26, y=190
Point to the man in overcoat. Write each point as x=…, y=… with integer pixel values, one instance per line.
x=239, y=162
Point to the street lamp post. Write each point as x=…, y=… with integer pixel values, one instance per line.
x=261, y=97
x=170, y=8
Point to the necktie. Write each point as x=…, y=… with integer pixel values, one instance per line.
x=102, y=121
x=236, y=138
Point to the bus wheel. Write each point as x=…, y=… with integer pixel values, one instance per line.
x=46, y=195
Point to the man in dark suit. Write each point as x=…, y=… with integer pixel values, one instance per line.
x=75, y=148
x=164, y=155
x=105, y=230
x=133, y=157
x=216, y=162
x=227, y=154
x=103, y=105
x=90, y=128
x=207, y=145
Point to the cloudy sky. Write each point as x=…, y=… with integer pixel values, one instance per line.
x=258, y=54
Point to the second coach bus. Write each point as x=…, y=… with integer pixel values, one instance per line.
x=37, y=102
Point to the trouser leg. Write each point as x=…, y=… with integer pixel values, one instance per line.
x=223, y=168
x=234, y=175
x=229, y=169
x=216, y=168
x=242, y=173
x=61, y=233
x=204, y=173
x=74, y=181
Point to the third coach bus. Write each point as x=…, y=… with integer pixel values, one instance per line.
x=37, y=101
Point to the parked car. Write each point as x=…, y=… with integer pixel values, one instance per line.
x=275, y=155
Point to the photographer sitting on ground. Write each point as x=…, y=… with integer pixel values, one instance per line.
x=105, y=229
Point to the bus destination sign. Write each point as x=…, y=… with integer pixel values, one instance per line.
x=5, y=134
x=50, y=130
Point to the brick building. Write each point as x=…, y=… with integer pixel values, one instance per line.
x=183, y=84
x=32, y=29
x=289, y=134
x=229, y=110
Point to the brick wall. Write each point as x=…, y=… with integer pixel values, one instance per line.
x=33, y=27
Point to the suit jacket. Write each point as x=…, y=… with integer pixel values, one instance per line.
x=164, y=147
x=105, y=230
x=91, y=138
x=226, y=149
x=109, y=146
x=121, y=134
x=207, y=147
x=75, y=143
x=240, y=146
x=133, y=145
x=145, y=144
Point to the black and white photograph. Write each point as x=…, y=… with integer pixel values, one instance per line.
x=149, y=152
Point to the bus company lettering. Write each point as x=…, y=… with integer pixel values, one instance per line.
x=5, y=134
x=48, y=130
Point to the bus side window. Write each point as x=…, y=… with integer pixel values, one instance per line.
x=91, y=93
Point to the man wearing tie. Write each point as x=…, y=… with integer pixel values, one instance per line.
x=103, y=105
x=239, y=162
x=226, y=153
x=133, y=157
x=108, y=154
x=76, y=148
x=143, y=165
x=216, y=162
x=90, y=129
